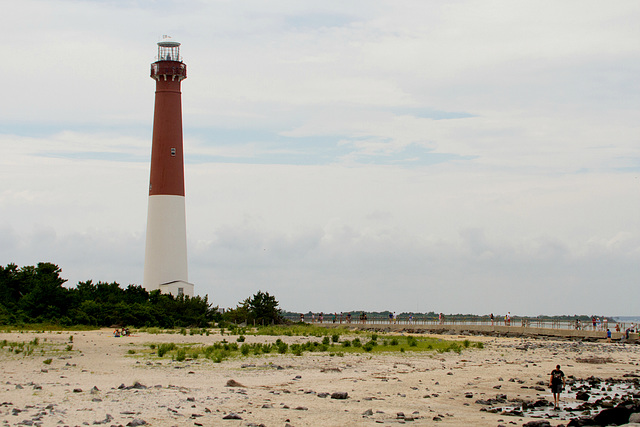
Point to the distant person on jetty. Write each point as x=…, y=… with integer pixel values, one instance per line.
x=492, y=319
x=557, y=383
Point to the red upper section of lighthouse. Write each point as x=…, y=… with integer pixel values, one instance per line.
x=167, y=164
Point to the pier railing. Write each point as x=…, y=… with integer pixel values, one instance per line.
x=523, y=322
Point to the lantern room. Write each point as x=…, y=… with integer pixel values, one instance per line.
x=168, y=50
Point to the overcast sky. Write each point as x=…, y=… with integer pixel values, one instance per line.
x=448, y=156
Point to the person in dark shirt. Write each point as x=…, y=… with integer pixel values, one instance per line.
x=556, y=382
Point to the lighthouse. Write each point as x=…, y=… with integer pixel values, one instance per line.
x=165, y=262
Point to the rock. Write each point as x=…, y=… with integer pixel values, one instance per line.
x=323, y=395
x=400, y=415
x=616, y=416
x=77, y=390
x=368, y=412
x=232, y=416
x=233, y=383
x=340, y=395
x=634, y=418
x=468, y=395
x=301, y=408
x=137, y=422
x=107, y=419
x=541, y=403
x=582, y=395
x=537, y=423
x=136, y=385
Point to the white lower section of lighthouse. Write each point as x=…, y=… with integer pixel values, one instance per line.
x=165, y=261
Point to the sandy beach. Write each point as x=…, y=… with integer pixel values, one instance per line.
x=103, y=380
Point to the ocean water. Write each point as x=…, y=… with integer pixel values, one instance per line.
x=627, y=319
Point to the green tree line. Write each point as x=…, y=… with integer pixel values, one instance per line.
x=35, y=294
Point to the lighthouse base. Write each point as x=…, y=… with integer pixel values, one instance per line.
x=166, y=249
x=177, y=288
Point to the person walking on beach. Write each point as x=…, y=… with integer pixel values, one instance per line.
x=557, y=383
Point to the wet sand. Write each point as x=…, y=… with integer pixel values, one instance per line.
x=92, y=383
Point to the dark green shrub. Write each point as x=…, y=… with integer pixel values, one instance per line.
x=245, y=349
x=181, y=355
x=165, y=348
x=297, y=349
